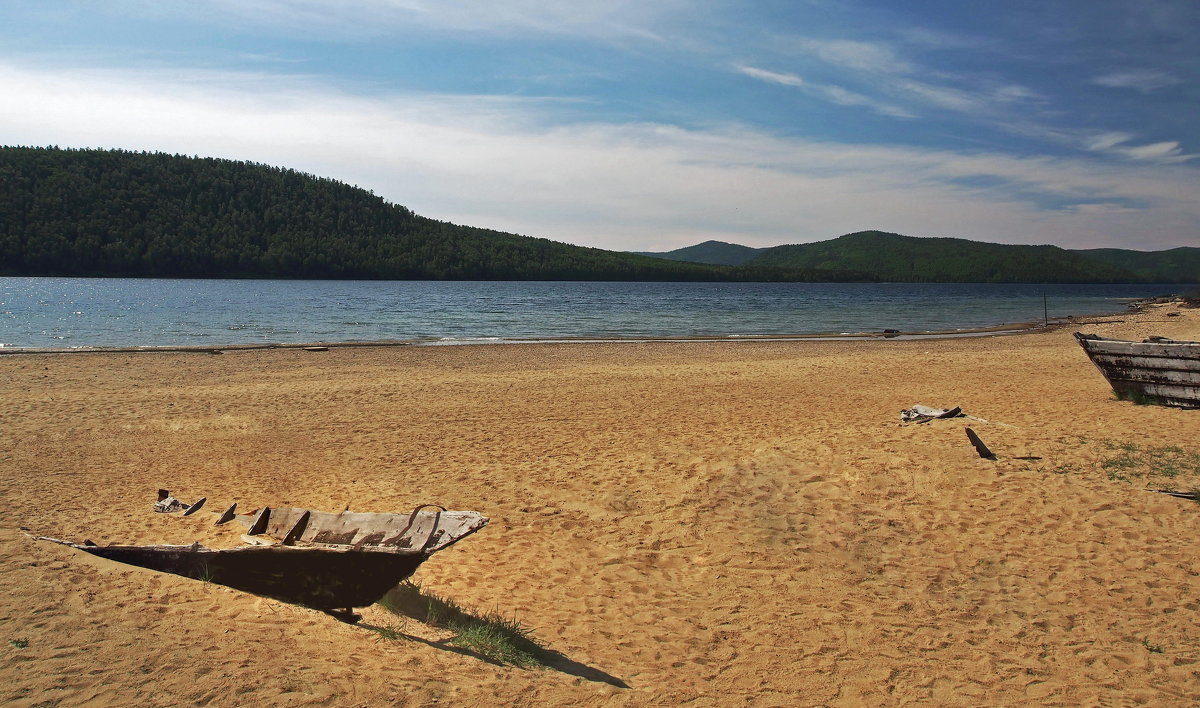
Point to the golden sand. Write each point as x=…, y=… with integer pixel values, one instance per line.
x=709, y=523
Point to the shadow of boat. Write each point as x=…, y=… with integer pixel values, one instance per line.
x=409, y=600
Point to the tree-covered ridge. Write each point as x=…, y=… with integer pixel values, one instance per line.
x=1175, y=265
x=714, y=252
x=119, y=213
x=897, y=258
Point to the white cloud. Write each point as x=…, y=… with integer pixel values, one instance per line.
x=900, y=81
x=833, y=94
x=1105, y=141
x=844, y=97
x=1143, y=81
x=1117, y=143
x=944, y=97
x=490, y=162
x=862, y=56
x=1168, y=150
x=772, y=76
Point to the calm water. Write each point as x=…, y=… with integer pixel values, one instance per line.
x=81, y=312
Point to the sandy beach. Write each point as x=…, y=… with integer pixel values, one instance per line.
x=708, y=523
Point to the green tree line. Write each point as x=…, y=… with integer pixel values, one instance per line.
x=897, y=258
x=70, y=212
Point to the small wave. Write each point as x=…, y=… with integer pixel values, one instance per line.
x=451, y=341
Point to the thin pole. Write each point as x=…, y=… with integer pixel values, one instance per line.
x=1045, y=311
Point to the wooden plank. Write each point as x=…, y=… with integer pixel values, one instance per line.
x=260, y=522
x=1126, y=361
x=195, y=507
x=980, y=448
x=1166, y=378
x=1184, y=351
x=294, y=533
x=227, y=515
x=367, y=529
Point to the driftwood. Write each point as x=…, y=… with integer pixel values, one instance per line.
x=924, y=414
x=168, y=504
x=982, y=449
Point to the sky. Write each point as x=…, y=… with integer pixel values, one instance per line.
x=655, y=124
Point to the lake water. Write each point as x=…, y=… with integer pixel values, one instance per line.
x=87, y=312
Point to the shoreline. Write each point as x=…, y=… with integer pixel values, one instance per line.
x=1007, y=329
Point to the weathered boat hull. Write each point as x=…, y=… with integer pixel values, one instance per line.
x=321, y=578
x=328, y=561
x=1163, y=372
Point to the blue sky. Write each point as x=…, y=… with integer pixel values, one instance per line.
x=643, y=125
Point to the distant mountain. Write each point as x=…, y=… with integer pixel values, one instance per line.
x=901, y=258
x=138, y=214
x=1177, y=265
x=897, y=258
x=712, y=252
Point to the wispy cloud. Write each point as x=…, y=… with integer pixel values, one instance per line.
x=1143, y=81
x=1102, y=209
x=1118, y=143
x=618, y=19
x=898, y=80
x=861, y=56
x=773, y=77
x=1003, y=105
x=493, y=162
x=833, y=94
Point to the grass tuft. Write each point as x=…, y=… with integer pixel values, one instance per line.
x=19, y=643
x=490, y=634
x=1064, y=468
x=1152, y=648
x=1153, y=464
x=203, y=573
x=390, y=633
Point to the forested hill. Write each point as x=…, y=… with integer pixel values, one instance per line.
x=1175, y=265
x=117, y=213
x=714, y=252
x=897, y=258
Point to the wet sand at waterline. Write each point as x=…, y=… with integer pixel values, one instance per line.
x=706, y=523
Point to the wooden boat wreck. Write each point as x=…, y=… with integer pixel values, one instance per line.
x=327, y=561
x=1157, y=370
